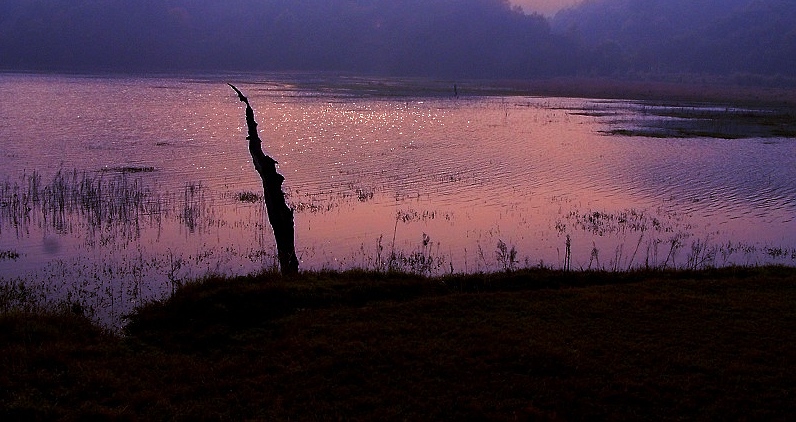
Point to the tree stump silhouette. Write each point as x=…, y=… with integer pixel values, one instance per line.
x=279, y=214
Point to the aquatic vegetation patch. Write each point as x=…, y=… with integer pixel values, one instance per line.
x=9, y=255
x=657, y=239
x=630, y=220
x=705, y=121
x=104, y=205
x=249, y=196
x=312, y=207
x=128, y=169
x=780, y=252
x=410, y=215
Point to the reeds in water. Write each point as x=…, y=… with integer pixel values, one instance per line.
x=102, y=201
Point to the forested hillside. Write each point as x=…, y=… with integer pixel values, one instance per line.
x=444, y=38
x=685, y=36
x=479, y=38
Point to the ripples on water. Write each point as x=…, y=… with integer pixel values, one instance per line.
x=151, y=173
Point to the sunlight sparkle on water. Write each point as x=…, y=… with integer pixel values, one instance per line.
x=435, y=183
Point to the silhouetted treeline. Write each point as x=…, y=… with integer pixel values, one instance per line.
x=721, y=37
x=453, y=38
x=479, y=38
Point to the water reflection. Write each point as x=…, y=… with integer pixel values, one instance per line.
x=157, y=186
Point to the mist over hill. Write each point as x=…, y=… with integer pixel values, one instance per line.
x=478, y=38
x=721, y=37
x=442, y=38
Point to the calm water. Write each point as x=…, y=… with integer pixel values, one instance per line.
x=113, y=190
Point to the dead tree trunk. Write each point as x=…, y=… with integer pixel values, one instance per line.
x=279, y=214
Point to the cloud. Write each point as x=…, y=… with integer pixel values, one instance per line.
x=545, y=7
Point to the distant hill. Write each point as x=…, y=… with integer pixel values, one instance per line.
x=695, y=36
x=440, y=38
x=476, y=38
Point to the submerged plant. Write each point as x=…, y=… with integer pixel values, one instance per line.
x=249, y=196
x=10, y=255
x=193, y=205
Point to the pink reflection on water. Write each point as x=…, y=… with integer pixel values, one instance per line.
x=376, y=183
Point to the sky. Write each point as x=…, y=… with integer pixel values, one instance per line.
x=545, y=7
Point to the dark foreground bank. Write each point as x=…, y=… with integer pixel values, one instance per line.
x=532, y=345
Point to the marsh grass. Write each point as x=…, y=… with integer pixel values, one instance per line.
x=657, y=240
x=249, y=196
x=115, y=203
x=507, y=257
x=129, y=169
x=113, y=209
x=108, y=201
x=194, y=205
x=426, y=260
x=106, y=213
x=702, y=121
x=9, y=254
x=522, y=345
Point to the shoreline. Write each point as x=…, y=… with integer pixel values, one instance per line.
x=689, y=91
x=757, y=90
x=527, y=345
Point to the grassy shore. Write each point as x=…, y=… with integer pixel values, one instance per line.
x=688, y=90
x=527, y=345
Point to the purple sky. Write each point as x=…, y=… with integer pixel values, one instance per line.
x=546, y=7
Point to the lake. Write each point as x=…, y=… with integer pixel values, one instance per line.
x=115, y=190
